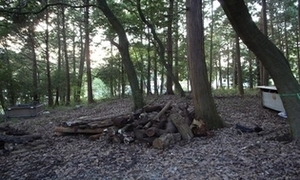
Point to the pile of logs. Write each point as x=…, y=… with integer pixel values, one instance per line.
x=159, y=126
x=15, y=141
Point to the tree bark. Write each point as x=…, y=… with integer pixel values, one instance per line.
x=48, y=72
x=166, y=140
x=87, y=55
x=298, y=41
x=124, y=51
x=67, y=68
x=57, y=88
x=31, y=37
x=264, y=72
x=181, y=126
x=239, y=67
x=170, y=46
x=148, y=65
x=81, y=66
x=271, y=57
x=211, y=42
x=205, y=107
x=76, y=130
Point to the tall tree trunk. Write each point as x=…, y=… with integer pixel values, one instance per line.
x=286, y=43
x=67, y=69
x=234, y=70
x=205, y=108
x=170, y=46
x=148, y=65
x=81, y=65
x=48, y=72
x=211, y=41
x=35, y=94
x=271, y=57
x=74, y=63
x=58, y=89
x=220, y=71
x=123, y=84
x=142, y=66
x=87, y=54
x=298, y=40
x=251, y=84
x=264, y=72
x=228, y=68
x=162, y=79
x=176, y=41
x=123, y=47
x=155, y=73
x=161, y=50
x=239, y=67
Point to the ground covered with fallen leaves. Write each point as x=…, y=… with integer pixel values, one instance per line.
x=228, y=154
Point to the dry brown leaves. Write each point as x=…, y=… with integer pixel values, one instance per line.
x=226, y=155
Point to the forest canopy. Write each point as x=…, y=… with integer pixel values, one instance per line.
x=60, y=52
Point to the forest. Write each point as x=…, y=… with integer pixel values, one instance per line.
x=129, y=89
x=61, y=53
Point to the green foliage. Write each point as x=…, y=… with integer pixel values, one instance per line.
x=16, y=77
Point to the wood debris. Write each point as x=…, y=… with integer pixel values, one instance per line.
x=15, y=140
x=159, y=126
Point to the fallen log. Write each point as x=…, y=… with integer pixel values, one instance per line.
x=181, y=126
x=155, y=131
x=166, y=140
x=73, y=130
x=147, y=140
x=148, y=109
x=140, y=133
x=18, y=139
x=166, y=107
x=12, y=131
x=120, y=121
x=88, y=124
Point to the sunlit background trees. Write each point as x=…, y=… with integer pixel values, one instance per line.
x=68, y=52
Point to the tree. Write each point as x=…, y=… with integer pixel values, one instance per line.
x=87, y=53
x=66, y=58
x=270, y=56
x=123, y=47
x=298, y=54
x=31, y=39
x=263, y=72
x=81, y=65
x=170, y=45
x=238, y=65
x=58, y=89
x=161, y=49
x=49, y=83
x=205, y=108
x=211, y=42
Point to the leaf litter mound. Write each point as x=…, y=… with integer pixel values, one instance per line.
x=228, y=154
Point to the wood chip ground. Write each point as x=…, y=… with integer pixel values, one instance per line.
x=228, y=154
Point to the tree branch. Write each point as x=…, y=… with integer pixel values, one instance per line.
x=45, y=7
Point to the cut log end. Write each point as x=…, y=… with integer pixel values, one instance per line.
x=198, y=128
x=166, y=140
